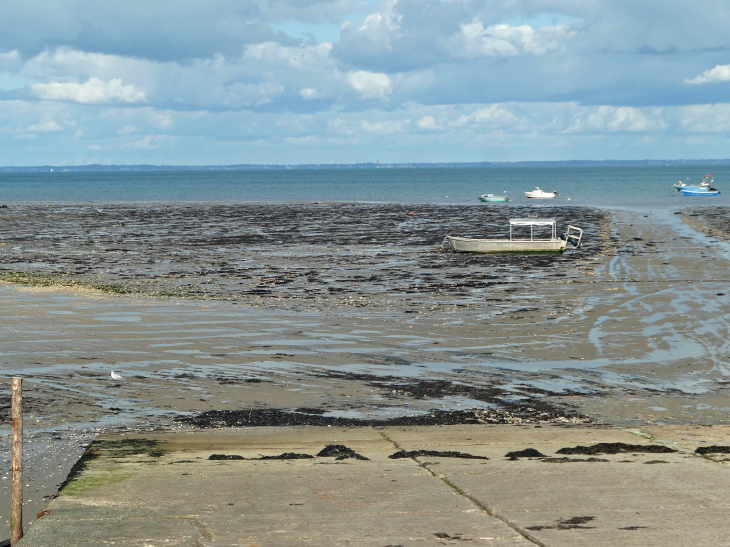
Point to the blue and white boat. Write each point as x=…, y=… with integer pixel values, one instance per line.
x=704, y=189
x=706, y=184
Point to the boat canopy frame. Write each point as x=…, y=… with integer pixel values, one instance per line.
x=532, y=222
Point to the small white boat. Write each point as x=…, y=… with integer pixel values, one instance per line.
x=541, y=194
x=514, y=244
x=491, y=198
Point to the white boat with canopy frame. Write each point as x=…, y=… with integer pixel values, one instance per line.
x=514, y=244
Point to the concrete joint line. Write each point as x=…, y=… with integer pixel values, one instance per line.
x=517, y=528
x=673, y=446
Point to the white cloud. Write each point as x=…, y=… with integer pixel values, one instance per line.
x=9, y=59
x=378, y=28
x=427, y=122
x=721, y=73
x=308, y=94
x=295, y=57
x=45, y=127
x=10, y=56
x=622, y=118
x=370, y=85
x=504, y=40
x=313, y=140
x=494, y=114
x=385, y=127
x=705, y=118
x=146, y=142
x=127, y=129
x=95, y=91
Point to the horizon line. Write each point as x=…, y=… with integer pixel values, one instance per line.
x=376, y=164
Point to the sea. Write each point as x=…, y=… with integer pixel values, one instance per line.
x=629, y=187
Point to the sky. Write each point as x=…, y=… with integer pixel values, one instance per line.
x=187, y=82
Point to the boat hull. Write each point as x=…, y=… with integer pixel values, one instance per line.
x=699, y=192
x=470, y=245
x=495, y=199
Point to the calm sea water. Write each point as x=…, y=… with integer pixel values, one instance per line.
x=625, y=187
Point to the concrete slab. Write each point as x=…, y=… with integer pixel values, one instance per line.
x=157, y=489
x=629, y=499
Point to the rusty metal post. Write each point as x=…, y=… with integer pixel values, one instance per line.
x=16, y=496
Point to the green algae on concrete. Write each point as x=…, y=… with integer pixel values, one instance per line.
x=108, y=470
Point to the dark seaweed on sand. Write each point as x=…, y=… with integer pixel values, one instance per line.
x=526, y=453
x=617, y=448
x=224, y=251
x=339, y=452
x=566, y=524
x=285, y=418
x=713, y=450
x=435, y=454
x=288, y=456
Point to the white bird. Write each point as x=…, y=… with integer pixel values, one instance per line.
x=116, y=376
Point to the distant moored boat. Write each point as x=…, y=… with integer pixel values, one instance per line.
x=491, y=198
x=541, y=194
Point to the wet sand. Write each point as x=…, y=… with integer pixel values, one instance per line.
x=329, y=319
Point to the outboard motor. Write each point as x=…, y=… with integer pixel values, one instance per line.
x=563, y=235
x=573, y=240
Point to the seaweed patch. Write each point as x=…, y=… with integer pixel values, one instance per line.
x=617, y=448
x=339, y=452
x=713, y=450
x=572, y=460
x=435, y=454
x=526, y=453
x=566, y=524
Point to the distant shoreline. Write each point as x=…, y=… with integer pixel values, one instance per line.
x=366, y=165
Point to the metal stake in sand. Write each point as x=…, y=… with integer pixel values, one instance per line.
x=16, y=496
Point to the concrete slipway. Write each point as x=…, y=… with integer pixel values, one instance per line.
x=159, y=489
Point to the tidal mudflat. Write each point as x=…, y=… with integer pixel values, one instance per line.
x=223, y=315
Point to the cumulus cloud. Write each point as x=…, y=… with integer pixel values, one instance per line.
x=148, y=141
x=301, y=57
x=494, y=114
x=45, y=127
x=612, y=118
x=94, y=91
x=385, y=127
x=721, y=73
x=9, y=59
x=378, y=28
x=503, y=40
x=308, y=93
x=705, y=118
x=370, y=85
x=427, y=122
